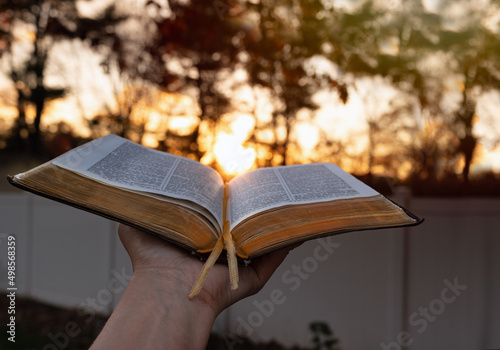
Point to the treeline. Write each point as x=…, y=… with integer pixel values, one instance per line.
x=281, y=54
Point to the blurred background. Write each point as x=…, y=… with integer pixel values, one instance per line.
x=405, y=95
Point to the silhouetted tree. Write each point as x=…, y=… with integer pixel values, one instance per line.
x=44, y=22
x=182, y=49
x=288, y=33
x=200, y=38
x=394, y=42
x=124, y=41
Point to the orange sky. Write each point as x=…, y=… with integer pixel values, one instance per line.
x=93, y=92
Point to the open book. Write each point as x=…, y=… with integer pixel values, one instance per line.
x=189, y=204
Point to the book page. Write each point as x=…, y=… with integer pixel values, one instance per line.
x=122, y=163
x=268, y=188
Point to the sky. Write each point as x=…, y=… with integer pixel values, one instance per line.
x=94, y=91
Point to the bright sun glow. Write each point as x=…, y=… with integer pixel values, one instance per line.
x=230, y=154
x=225, y=143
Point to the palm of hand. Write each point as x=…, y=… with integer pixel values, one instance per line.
x=151, y=254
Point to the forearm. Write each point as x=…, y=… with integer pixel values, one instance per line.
x=155, y=313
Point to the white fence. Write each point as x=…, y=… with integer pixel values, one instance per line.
x=436, y=286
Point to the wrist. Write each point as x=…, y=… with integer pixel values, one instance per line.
x=178, y=282
x=155, y=313
x=166, y=295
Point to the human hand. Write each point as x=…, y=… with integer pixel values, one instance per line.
x=179, y=269
x=155, y=311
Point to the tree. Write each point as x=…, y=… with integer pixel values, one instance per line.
x=388, y=124
x=322, y=336
x=289, y=33
x=395, y=44
x=134, y=76
x=201, y=44
x=44, y=22
x=196, y=45
x=183, y=50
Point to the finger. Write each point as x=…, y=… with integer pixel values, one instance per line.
x=265, y=266
x=126, y=235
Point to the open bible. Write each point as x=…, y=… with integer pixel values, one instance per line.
x=188, y=203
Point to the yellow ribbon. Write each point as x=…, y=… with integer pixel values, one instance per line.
x=225, y=241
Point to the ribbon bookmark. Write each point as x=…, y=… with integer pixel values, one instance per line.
x=225, y=241
x=231, y=256
x=214, y=255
